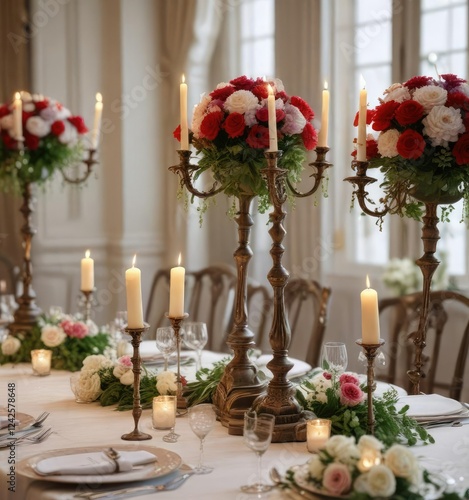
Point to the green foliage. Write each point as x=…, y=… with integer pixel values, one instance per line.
x=203, y=388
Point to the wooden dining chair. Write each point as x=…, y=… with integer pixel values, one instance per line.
x=447, y=340
x=11, y=274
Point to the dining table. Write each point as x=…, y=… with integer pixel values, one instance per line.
x=78, y=426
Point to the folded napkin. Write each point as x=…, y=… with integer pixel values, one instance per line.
x=93, y=463
x=4, y=422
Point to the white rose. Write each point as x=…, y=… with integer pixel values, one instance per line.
x=316, y=467
x=368, y=442
x=92, y=327
x=380, y=482
x=199, y=113
x=241, y=101
x=119, y=370
x=88, y=386
x=399, y=94
x=52, y=335
x=443, y=125
x=430, y=96
x=387, y=143
x=401, y=461
x=166, y=382
x=37, y=126
x=10, y=345
x=127, y=378
x=69, y=135
x=340, y=445
x=62, y=112
x=7, y=122
x=95, y=362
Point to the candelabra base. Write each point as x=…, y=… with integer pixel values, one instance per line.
x=25, y=318
x=136, y=436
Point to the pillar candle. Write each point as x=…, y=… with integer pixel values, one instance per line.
x=318, y=432
x=323, y=133
x=183, y=105
x=98, y=112
x=164, y=412
x=362, y=109
x=133, y=289
x=370, y=315
x=176, y=291
x=273, y=146
x=18, y=117
x=41, y=361
x=87, y=273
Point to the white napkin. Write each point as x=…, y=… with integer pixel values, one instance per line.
x=4, y=422
x=429, y=405
x=92, y=463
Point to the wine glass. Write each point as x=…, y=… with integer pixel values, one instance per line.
x=202, y=419
x=334, y=357
x=195, y=337
x=258, y=435
x=166, y=342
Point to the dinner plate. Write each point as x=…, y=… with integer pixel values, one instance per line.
x=429, y=405
x=23, y=418
x=166, y=462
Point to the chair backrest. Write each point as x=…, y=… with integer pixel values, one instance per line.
x=449, y=317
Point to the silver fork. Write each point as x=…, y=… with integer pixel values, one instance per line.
x=39, y=436
x=28, y=429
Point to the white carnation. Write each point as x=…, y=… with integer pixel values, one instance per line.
x=92, y=327
x=278, y=86
x=387, y=143
x=127, y=378
x=96, y=362
x=69, y=135
x=199, y=113
x=241, y=101
x=10, y=345
x=339, y=445
x=443, y=125
x=430, y=96
x=52, y=335
x=166, y=382
x=380, y=482
x=37, y=126
x=399, y=94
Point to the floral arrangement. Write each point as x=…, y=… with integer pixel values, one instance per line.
x=111, y=382
x=340, y=398
x=51, y=142
x=70, y=339
x=423, y=143
x=366, y=470
x=230, y=133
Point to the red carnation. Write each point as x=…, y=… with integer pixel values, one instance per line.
x=243, y=83
x=281, y=95
x=57, y=127
x=177, y=133
x=303, y=106
x=371, y=149
x=410, y=144
x=457, y=100
x=234, y=124
x=260, y=91
x=31, y=141
x=78, y=123
x=4, y=111
x=384, y=113
x=210, y=125
x=222, y=93
x=461, y=150
x=40, y=105
x=409, y=112
x=9, y=141
x=258, y=137
x=309, y=136
x=370, y=113
x=417, y=81
x=451, y=81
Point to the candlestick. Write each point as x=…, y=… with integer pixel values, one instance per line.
x=87, y=273
x=18, y=117
x=362, y=110
x=41, y=361
x=134, y=296
x=272, y=120
x=183, y=110
x=370, y=314
x=323, y=133
x=98, y=112
x=88, y=300
x=318, y=432
x=176, y=324
x=176, y=291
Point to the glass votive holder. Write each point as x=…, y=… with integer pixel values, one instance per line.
x=318, y=431
x=163, y=414
x=41, y=361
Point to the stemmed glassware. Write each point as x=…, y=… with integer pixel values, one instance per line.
x=195, y=337
x=334, y=357
x=258, y=430
x=202, y=419
x=166, y=342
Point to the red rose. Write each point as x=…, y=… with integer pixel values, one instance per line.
x=177, y=133
x=4, y=111
x=371, y=149
x=409, y=112
x=234, y=124
x=262, y=115
x=369, y=117
x=384, y=113
x=457, y=100
x=461, y=150
x=222, y=93
x=9, y=142
x=78, y=123
x=303, y=106
x=351, y=394
x=31, y=141
x=260, y=91
x=210, y=125
x=279, y=115
x=40, y=105
x=243, y=83
x=309, y=136
x=258, y=137
x=57, y=127
x=416, y=82
x=410, y=144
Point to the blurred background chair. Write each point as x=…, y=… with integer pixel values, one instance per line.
x=10, y=274
x=445, y=354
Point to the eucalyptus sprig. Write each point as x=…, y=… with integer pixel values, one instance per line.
x=203, y=388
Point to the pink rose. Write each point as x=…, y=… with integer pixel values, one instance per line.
x=348, y=378
x=125, y=361
x=67, y=326
x=351, y=394
x=337, y=479
x=78, y=330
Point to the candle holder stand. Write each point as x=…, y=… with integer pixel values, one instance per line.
x=370, y=351
x=427, y=263
x=87, y=302
x=290, y=418
x=136, y=434
x=181, y=404
x=26, y=314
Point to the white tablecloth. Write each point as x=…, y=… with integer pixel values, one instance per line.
x=79, y=425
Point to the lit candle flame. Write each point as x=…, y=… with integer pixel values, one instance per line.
x=362, y=82
x=87, y=254
x=134, y=260
x=326, y=86
x=99, y=97
x=17, y=95
x=179, y=259
x=183, y=78
x=367, y=281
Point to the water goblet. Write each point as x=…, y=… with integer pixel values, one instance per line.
x=202, y=419
x=195, y=337
x=166, y=342
x=258, y=435
x=334, y=357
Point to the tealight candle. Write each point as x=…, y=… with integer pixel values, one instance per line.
x=368, y=459
x=41, y=361
x=164, y=412
x=318, y=432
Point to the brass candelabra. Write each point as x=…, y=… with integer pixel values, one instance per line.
x=370, y=351
x=26, y=315
x=427, y=263
x=181, y=405
x=136, y=334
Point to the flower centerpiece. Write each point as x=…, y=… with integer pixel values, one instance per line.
x=70, y=339
x=51, y=141
x=423, y=143
x=230, y=134
x=366, y=470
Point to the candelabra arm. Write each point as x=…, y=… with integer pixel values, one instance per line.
x=89, y=162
